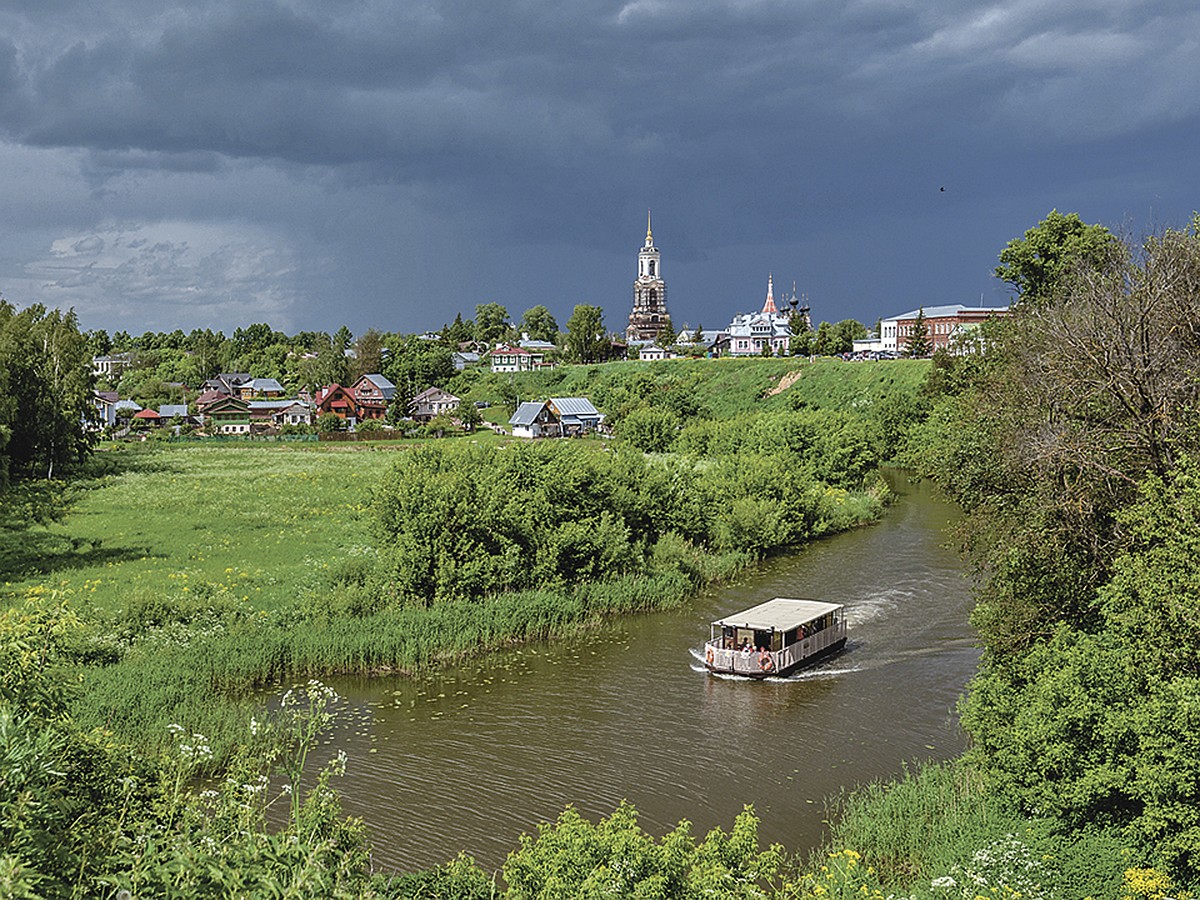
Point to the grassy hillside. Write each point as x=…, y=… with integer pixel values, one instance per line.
x=720, y=388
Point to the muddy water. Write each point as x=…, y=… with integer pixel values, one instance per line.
x=473, y=757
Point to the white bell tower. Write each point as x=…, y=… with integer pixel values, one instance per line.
x=649, y=314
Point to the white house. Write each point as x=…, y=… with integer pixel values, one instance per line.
x=296, y=413
x=432, y=402
x=516, y=359
x=534, y=420
x=556, y=417
x=110, y=367
x=653, y=351
x=750, y=333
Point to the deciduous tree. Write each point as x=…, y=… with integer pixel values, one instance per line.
x=48, y=402
x=491, y=322
x=539, y=324
x=1040, y=266
x=586, y=340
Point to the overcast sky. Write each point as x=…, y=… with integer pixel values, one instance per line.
x=307, y=163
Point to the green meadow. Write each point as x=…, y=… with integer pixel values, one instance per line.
x=248, y=523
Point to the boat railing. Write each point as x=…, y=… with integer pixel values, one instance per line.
x=738, y=662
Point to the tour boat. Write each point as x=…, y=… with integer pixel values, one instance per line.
x=775, y=638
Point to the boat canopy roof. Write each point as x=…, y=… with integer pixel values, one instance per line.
x=780, y=614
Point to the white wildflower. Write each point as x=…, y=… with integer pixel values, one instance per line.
x=339, y=764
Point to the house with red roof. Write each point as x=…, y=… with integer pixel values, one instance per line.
x=338, y=400
x=146, y=418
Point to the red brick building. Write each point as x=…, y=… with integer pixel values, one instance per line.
x=946, y=327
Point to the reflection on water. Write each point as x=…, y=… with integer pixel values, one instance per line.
x=469, y=759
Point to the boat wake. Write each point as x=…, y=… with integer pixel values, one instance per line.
x=874, y=607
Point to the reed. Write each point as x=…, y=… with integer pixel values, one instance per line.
x=919, y=825
x=213, y=682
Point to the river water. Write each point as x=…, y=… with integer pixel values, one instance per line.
x=470, y=758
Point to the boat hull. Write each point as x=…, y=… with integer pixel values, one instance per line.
x=754, y=670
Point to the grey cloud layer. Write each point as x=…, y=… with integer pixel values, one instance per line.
x=514, y=120
x=398, y=86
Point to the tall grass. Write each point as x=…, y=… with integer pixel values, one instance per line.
x=919, y=825
x=210, y=681
x=942, y=820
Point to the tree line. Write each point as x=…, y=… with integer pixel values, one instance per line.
x=45, y=407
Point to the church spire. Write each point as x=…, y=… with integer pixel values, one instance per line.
x=649, y=235
x=769, y=306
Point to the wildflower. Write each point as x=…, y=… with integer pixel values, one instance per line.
x=338, y=767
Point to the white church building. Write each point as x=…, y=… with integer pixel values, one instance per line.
x=749, y=333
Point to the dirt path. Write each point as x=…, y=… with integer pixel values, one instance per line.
x=785, y=382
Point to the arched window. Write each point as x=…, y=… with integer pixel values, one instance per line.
x=651, y=268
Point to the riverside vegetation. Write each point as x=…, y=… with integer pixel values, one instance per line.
x=187, y=578
x=1069, y=443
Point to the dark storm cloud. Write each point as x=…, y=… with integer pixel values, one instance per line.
x=818, y=130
